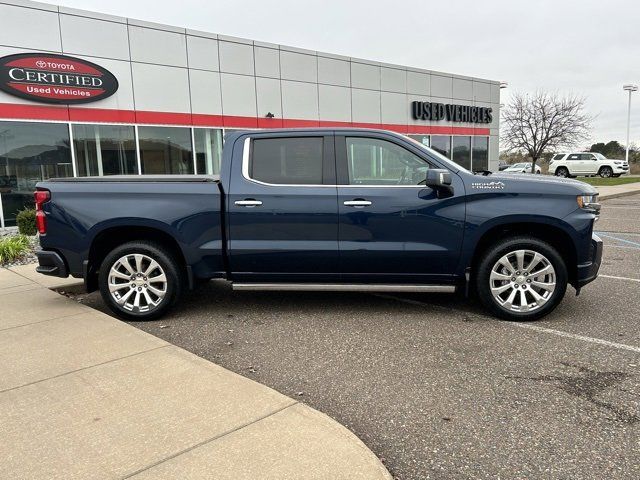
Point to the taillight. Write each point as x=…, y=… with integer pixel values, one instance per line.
x=41, y=197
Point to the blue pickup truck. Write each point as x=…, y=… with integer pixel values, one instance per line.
x=323, y=209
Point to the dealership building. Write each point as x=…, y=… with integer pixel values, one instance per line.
x=83, y=93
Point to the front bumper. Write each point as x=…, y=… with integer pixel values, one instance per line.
x=588, y=271
x=621, y=169
x=51, y=263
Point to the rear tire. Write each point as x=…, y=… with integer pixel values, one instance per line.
x=562, y=172
x=606, y=172
x=521, y=279
x=140, y=280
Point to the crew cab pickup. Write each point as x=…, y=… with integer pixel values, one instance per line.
x=323, y=209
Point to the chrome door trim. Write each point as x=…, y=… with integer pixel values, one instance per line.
x=357, y=203
x=248, y=203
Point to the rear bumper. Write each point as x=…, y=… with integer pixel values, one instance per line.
x=587, y=272
x=51, y=263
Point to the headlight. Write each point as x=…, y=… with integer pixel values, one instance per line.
x=588, y=201
x=618, y=163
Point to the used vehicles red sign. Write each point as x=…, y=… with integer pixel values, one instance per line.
x=51, y=78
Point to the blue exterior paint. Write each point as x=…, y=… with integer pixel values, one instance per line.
x=305, y=233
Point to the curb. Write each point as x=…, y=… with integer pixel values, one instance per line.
x=287, y=429
x=619, y=194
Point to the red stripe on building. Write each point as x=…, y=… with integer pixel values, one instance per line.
x=100, y=115
x=33, y=112
x=77, y=114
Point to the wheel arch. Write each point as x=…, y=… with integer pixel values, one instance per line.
x=553, y=234
x=112, y=236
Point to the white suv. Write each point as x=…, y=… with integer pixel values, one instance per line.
x=586, y=164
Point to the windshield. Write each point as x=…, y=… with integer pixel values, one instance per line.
x=600, y=156
x=438, y=155
x=519, y=165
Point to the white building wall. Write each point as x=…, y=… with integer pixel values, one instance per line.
x=162, y=68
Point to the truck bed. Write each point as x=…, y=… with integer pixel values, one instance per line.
x=183, y=208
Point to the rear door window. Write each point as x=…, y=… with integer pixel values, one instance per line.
x=287, y=161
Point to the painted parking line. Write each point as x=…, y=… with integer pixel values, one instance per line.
x=620, y=278
x=618, y=239
x=560, y=333
x=529, y=326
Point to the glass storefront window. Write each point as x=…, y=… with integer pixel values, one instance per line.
x=165, y=150
x=423, y=139
x=208, y=147
x=480, y=153
x=441, y=144
x=30, y=152
x=461, y=148
x=105, y=150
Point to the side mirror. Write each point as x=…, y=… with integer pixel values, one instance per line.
x=440, y=180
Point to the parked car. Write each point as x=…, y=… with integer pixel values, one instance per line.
x=323, y=209
x=586, y=164
x=522, y=168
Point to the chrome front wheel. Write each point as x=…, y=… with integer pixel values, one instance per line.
x=137, y=283
x=522, y=281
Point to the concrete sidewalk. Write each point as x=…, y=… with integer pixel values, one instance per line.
x=616, y=191
x=83, y=395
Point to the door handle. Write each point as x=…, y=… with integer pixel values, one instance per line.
x=357, y=203
x=249, y=203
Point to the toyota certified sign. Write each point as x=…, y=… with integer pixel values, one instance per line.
x=49, y=78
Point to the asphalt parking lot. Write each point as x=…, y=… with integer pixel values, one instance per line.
x=435, y=387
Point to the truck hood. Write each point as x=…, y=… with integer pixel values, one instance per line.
x=528, y=183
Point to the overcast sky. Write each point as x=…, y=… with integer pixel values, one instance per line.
x=587, y=47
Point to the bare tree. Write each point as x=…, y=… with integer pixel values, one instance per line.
x=543, y=121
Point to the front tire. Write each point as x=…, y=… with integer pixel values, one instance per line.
x=606, y=172
x=139, y=280
x=521, y=279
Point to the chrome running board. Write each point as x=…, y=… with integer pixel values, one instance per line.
x=344, y=287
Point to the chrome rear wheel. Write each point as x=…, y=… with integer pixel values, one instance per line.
x=137, y=283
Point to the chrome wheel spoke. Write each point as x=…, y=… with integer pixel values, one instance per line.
x=499, y=276
x=155, y=291
x=125, y=297
x=148, y=298
x=544, y=271
x=138, y=259
x=540, y=300
x=124, y=261
x=520, y=260
x=158, y=279
x=502, y=289
x=116, y=287
x=152, y=266
x=534, y=262
x=504, y=261
x=116, y=274
x=523, y=300
x=512, y=296
x=548, y=286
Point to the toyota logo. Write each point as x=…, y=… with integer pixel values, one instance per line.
x=41, y=64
